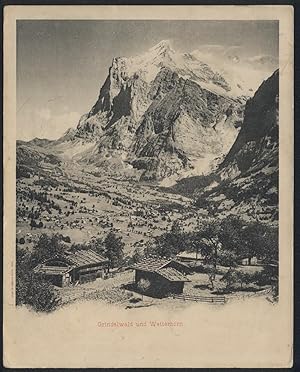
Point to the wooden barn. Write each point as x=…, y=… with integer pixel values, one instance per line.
x=56, y=270
x=79, y=266
x=160, y=277
x=87, y=265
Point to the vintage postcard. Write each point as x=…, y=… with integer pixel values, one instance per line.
x=148, y=186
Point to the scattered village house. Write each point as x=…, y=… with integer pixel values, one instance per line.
x=72, y=267
x=249, y=261
x=190, y=257
x=196, y=257
x=162, y=276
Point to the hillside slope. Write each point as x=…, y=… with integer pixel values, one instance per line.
x=246, y=182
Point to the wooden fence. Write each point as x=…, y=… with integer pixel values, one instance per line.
x=212, y=299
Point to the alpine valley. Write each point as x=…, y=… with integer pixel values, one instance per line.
x=171, y=136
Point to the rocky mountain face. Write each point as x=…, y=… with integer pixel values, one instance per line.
x=158, y=114
x=258, y=137
x=247, y=179
x=184, y=124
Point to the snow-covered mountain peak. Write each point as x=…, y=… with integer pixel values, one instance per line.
x=224, y=74
x=162, y=46
x=148, y=64
x=244, y=75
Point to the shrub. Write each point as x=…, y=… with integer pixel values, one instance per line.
x=268, y=276
x=33, y=224
x=31, y=290
x=66, y=239
x=230, y=278
x=23, y=172
x=40, y=294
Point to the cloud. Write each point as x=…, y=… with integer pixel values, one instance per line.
x=263, y=58
x=212, y=53
x=217, y=49
x=233, y=48
x=263, y=62
x=212, y=46
x=45, y=123
x=44, y=113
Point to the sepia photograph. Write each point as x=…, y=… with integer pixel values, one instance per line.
x=146, y=169
x=147, y=172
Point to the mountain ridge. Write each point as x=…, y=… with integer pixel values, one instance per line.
x=159, y=115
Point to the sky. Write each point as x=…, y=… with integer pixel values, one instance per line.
x=61, y=65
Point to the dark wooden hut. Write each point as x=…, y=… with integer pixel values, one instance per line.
x=160, y=277
x=79, y=266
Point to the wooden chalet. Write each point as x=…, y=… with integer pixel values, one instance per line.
x=163, y=276
x=79, y=266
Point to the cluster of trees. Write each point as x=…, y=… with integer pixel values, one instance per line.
x=268, y=276
x=226, y=242
x=43, y=198
x=220, y=242
x=44, y=201
x=111, y=247
x=120, y=201
x=34, y=214
x=46, y=182
x=206, y=204
x=39, y=196
x=20, y=212
x=168, y=244
x=35, y=224
x=23, y=172
x=30, y=290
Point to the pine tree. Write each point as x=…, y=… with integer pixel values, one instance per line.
x=113, y=249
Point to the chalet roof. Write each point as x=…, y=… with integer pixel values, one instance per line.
x=172, y=274
x=52, y=270
x=84, y=257
x=151, y=264
x=158, y=266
